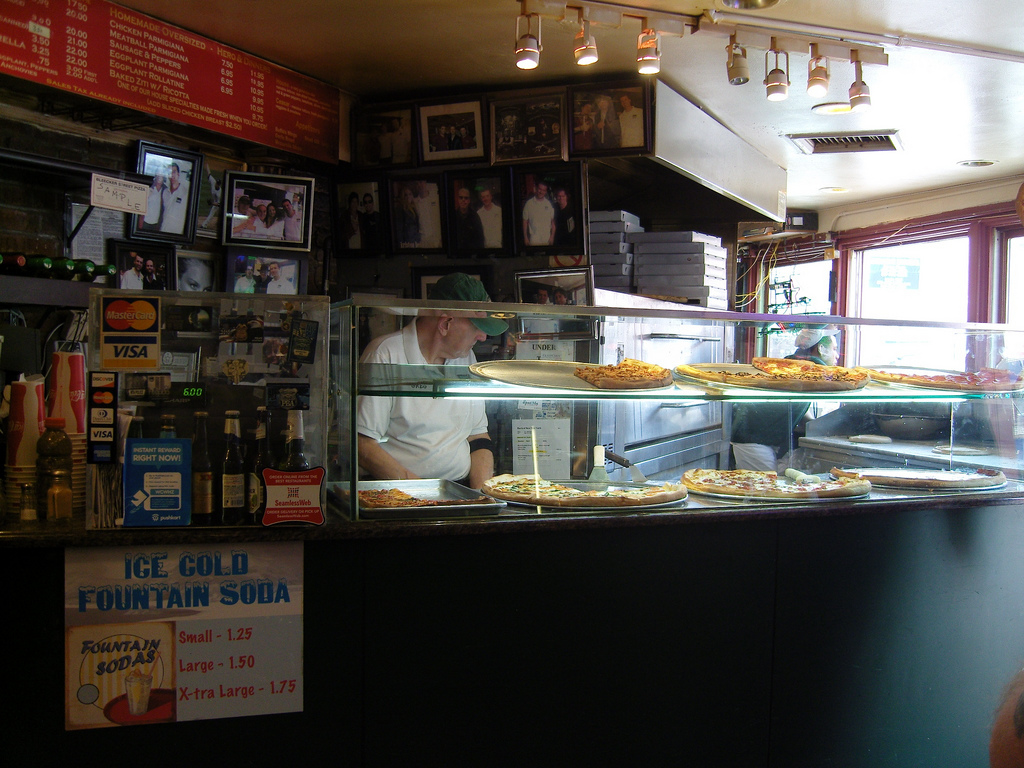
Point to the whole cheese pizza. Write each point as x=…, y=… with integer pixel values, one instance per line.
x=756, y=484
x=933, y=479
x=985, y=380
x=629, y=374
x=392, y=498
x=531, y=489
x=779, y=373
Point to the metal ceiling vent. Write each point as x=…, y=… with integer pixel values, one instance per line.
x=833, y=143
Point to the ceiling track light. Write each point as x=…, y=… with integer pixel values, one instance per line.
x=817, y=73
x=860, y=94
x=584, y=46
x=648, y=51
x=737, y=66
x=528, y=46
x=776, y=80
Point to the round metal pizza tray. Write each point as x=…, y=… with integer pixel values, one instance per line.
x=773, y=499
x=556, y=374
x=907, y=370
x=591, y=485
x=773, y=385
x=898, y=486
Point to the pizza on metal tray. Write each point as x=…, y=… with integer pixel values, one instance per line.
x=391, y=498
x=932, y=479
x=757, y=484
x=782, y=374
x=985, y=380
x=531, y=489
x=629, y=374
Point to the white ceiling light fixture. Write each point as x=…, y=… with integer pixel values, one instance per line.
x=584, y=45
x=860, y=94
x=737, y=65
x=817, y=73
x=648, y=51
x=528, y=46
x=776, y=80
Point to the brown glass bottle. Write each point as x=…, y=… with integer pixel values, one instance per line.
x=294, y=459
x=232, y=476
x=256, y=491
x=202, y=473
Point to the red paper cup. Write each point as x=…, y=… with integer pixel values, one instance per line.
x=25, y=424
x=67, y=390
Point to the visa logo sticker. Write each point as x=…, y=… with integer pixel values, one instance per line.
x=131, y=353
x=102, y=434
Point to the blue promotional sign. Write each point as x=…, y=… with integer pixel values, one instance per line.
x=157, y=482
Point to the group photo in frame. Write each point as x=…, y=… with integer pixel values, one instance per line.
x=173, y=196
x=416, y=207
x=608, y=118
x=197, y=271
x=529, y=127
x=265, y=272
x=383, y=137
x=142, y=266
x=549, y=209
x=452, y=131
x=479, y=220
x=363, y=227
x=267, y=211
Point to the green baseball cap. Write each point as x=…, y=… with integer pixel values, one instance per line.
x=458, y=286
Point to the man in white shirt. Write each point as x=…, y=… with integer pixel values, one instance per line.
x=428, y=208
x=490, y=217
x=539, y=217
x=403, y=438
x=278, y=284
x=175, y=203
x=132, y=278
x=631, y=123
x=292, y=222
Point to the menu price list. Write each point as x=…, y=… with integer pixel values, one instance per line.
x=228, y=669
x=97, y=49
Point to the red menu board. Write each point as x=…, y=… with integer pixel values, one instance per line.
x=109, y=53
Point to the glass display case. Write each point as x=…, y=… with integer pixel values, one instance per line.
x=545, y=420
x=157, y=358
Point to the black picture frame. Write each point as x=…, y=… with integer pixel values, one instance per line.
x=485, y=227
x=529, y=127
x=602, y=122
x=542, y=225
x=292, y=272
x=384, y=136
x=211, y=195
x=290, y=197
x=364, y=229
x=423, y=277
x=170, y=212
x=124, y=253
x=198, y=271
x=437, y=122
x=416, y=213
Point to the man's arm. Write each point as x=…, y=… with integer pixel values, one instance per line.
x=379, y=463
x=481, y=463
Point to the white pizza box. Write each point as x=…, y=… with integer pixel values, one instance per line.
x=696, y=301
x=613, y=282
x=673, y=237
x=615, y=246
x=615, y=216
x=612, y=270
x=609, y=237
x=615, y=226
x=713, y=281
x=645, y=268
x=611, y=258
x=680, y=258
x=654, y=285
x=709, y=248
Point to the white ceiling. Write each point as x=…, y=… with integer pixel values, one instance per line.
x=948, y=106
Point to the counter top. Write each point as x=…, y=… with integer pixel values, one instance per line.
x=916, y=453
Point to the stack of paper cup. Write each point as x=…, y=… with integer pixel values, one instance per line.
x=67, y=390
x=24, y=426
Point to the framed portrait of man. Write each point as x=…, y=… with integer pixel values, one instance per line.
x=416, y=209
x=529, y=128
x=142, y=266
x=549, y=209
x=479, y=220
x=363, y=224
x=452, y=131
x=383, y=136
x=280, y=273
x=173, y=196
x=610, y=119
x=267, y=211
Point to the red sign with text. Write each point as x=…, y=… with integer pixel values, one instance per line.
x=97, y=49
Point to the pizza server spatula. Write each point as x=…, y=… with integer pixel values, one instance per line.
x=634, y=470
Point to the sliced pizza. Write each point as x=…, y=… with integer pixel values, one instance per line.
x=931, y=479
x=394, y=498
x=985, y=380
x=531, y=489
x=629, y=374
x=755, y=484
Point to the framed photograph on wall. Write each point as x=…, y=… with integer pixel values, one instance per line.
x=424, y=277
x=452, y=131
x=363, y=225
x=281, y=273
x=610, y=119
x=197, y=271
x=416, y=208
x=211, y=194
x=142, y=266
x=563, y=287
x=479, y=220
x=549, y=209
x=529, y=127
x=173, y=193
x=383, y=136
x=268, y=211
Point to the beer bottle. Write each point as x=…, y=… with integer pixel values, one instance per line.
x=232, y=478
x=105, y=270
x=262, y=458
x=294, y=460
x=13, y=264
x=202, y=473
x=63, y=269
x=167, y=428
x=39, y=266
x=85, y=270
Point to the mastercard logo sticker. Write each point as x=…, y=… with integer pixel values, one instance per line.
x=121, y=315
x=103, y=398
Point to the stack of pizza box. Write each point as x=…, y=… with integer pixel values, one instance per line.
x=610, y=252
x=681, y=266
